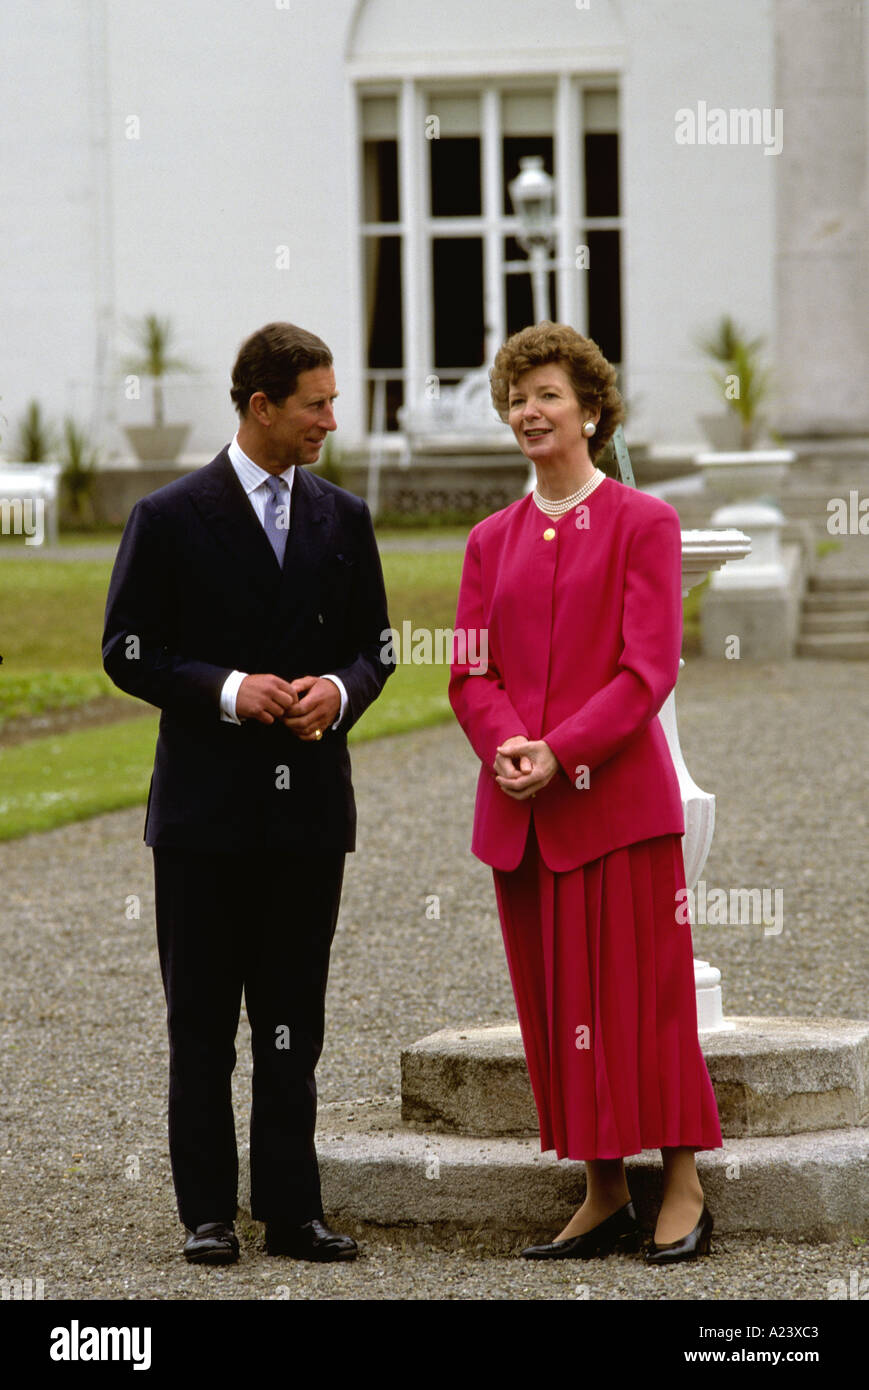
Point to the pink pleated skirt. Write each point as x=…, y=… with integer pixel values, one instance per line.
x=603, y=978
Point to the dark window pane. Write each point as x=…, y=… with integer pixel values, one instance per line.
x=380, y=172
x=383, y=275
x=515, y=147
x=457, y=274
x=520, y=306
x=455, y=177
x=602, y=175
x=604, y=293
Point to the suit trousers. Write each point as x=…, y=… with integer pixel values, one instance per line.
x=261, y=922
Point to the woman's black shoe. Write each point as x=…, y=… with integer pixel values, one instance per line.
x=621, y=1231
x=688, y=1248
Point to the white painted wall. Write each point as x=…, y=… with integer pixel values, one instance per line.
x=700, y=219
x=407, y=34
x=245, y=146
x=243, y=150
x=47, y=231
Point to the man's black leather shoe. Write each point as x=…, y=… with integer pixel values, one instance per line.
x=313, y=1241
x=215, y=1243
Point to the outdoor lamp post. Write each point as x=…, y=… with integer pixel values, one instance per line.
x=532, y=194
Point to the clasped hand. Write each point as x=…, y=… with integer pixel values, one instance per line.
x=304, y=706
x=524, y=767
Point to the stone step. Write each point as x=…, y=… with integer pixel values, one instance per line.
x=772, y=1076
x=835, y=622
x=824, y=452
x=834, y=646
x=834, y=583
x=831, y=601
x=380, y=1175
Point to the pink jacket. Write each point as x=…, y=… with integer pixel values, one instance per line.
x=584, y=631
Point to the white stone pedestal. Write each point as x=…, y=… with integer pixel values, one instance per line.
x=702, y=551
x=707, y=986
x=752, y=609
x=764, y=567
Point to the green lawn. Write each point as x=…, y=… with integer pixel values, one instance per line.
x=51, y=781
x=51, y=617
x=34, y=692
x=455, y=535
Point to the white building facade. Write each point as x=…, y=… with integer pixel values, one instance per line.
x=345, y=166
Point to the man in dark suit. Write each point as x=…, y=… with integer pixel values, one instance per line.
x=247, y=603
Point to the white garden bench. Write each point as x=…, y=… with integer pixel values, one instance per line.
x=36, y=484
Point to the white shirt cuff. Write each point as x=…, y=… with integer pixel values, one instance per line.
x=227, y=697
x=343, y=693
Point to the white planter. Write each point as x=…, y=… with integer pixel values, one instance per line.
x=744, y=474
x=157, y=443
x=723, y=431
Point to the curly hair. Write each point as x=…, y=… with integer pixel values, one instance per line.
x=592, y=377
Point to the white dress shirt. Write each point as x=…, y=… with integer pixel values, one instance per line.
x=254, y=481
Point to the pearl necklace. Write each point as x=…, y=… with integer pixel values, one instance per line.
x=564, y=504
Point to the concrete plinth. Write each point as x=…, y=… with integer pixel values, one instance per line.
x=792, y=1095
x=765, y=620
x=771, y=1076
x=469, y=1081
x=383, y=1177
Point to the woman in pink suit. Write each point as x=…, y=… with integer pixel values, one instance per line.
x=578, y=590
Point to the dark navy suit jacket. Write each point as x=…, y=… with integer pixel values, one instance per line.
x=196, y=593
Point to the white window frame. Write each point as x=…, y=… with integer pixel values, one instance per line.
x=413, y=94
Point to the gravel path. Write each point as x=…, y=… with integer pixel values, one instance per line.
x=87, y=1203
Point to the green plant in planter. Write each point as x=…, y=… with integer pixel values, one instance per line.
x=79, y=463
x=154, y=337
x=745, y=384
x=37, y=441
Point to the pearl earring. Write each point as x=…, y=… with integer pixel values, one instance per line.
x=589, y=428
